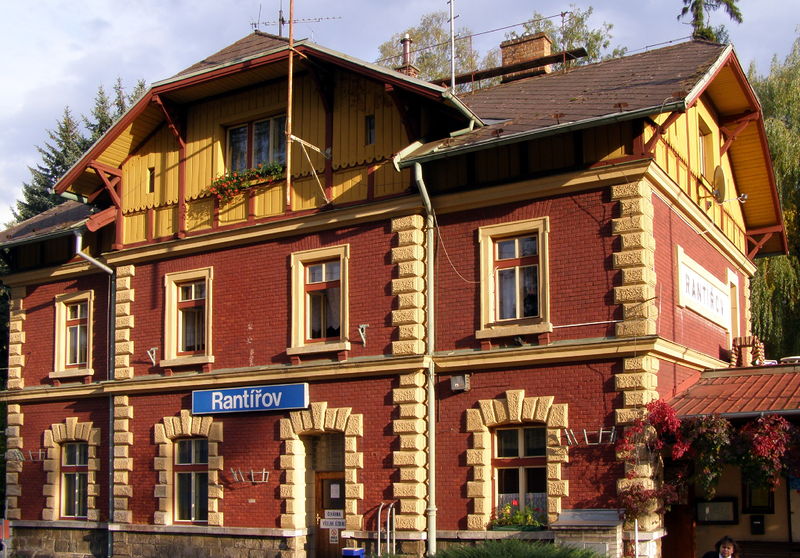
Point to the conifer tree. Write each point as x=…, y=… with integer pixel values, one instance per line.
x=65, y=146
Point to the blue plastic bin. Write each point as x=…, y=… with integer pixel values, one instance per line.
x=353, y=552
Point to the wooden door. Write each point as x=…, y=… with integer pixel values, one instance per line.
x=329, y=509
x=679, y=542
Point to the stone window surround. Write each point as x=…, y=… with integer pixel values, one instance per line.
x=69, y=431
x=319, y=419
x=299, y=260
x=490, y=327
x=171, y=318
x=515, y=409
x=187, y=426
x=60, y=368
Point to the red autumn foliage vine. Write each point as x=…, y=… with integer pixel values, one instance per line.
x=764, y=449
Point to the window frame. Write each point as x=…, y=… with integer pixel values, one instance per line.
x=193, y=469
x=488, y=237
x=521, y=463
x=173, y=353
x=79, y=471
x=249, y=142
x=300, y=262
x=62, y=368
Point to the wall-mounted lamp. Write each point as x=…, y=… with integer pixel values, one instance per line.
x=151, y=352
x=741, y=198
x=460, y=383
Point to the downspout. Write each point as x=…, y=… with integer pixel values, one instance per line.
x=430, y=338
x=111, y=333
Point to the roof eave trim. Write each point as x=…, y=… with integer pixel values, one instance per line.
x=745, y=414
x=679, y=105
x=217, y=67
x=712, y=71
x=69, y=231
x=133, y=112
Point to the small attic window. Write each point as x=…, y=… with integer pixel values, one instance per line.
x=369, y=129
x=151, y=180
x=705, y=147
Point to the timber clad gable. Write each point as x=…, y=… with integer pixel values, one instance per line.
x=450, y=308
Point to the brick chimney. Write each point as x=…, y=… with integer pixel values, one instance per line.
x=407, y=68
x=523, y=49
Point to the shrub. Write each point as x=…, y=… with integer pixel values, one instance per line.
x=515, y=548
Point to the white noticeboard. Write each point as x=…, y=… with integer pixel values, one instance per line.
x=331, y=524
x=334, y=514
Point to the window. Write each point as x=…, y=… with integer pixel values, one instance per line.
x=514, y=279
x=520, y=467
x=191, y=480
x=369, y=129
x=74, y=479
x=516, y=268
x=705, y=146
x=73, y=343
x=256, y=143
x=151, y=180
x=319, y=300
x=192, y=317
x=323, y=300
x=77, y=333
x=187, y=327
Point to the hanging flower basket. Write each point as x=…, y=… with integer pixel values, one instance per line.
x=233, y=183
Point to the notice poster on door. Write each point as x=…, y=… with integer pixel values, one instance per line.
x=335, y=491
x=333, y=536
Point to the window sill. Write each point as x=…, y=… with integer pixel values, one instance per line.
x=72, y=373
x=322, y=347
x=509, y=330
x=186, y=361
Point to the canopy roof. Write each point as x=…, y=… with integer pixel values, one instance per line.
x=742, y=392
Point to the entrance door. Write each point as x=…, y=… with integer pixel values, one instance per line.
x=329, y=514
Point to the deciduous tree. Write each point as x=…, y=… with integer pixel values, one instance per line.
x=573, y=30
x=775, y=288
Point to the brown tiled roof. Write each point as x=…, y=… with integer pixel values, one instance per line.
x=250, y=45
x=747, y=391
x=59, y=219
x=640, y=81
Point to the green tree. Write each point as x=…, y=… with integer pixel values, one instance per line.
x=775, y=289
x=574, y=31
x=700, y=10
x=65, y=146
x=67, y=142
x=431, y=48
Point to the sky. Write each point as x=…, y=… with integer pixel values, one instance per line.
x=59, y=51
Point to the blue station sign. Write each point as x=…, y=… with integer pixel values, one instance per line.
x=248, y=399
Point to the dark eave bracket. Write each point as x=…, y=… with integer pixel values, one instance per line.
x=741, y=122
x=756, y=238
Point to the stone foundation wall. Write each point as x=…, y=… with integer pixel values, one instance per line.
x=59, y=543
x=151, y=545
x=93, y=543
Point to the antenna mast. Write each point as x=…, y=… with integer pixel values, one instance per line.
x=281, y=21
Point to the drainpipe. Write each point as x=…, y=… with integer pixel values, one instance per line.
x=430, y=338
x=110, y=332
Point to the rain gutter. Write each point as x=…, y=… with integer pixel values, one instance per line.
x=430, y=338
x=673, y=106
x=110, y=332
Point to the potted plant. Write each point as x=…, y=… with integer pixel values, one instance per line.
x=512, y=517
x=233, y=183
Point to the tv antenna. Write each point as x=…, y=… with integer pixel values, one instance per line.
x=281, y=21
